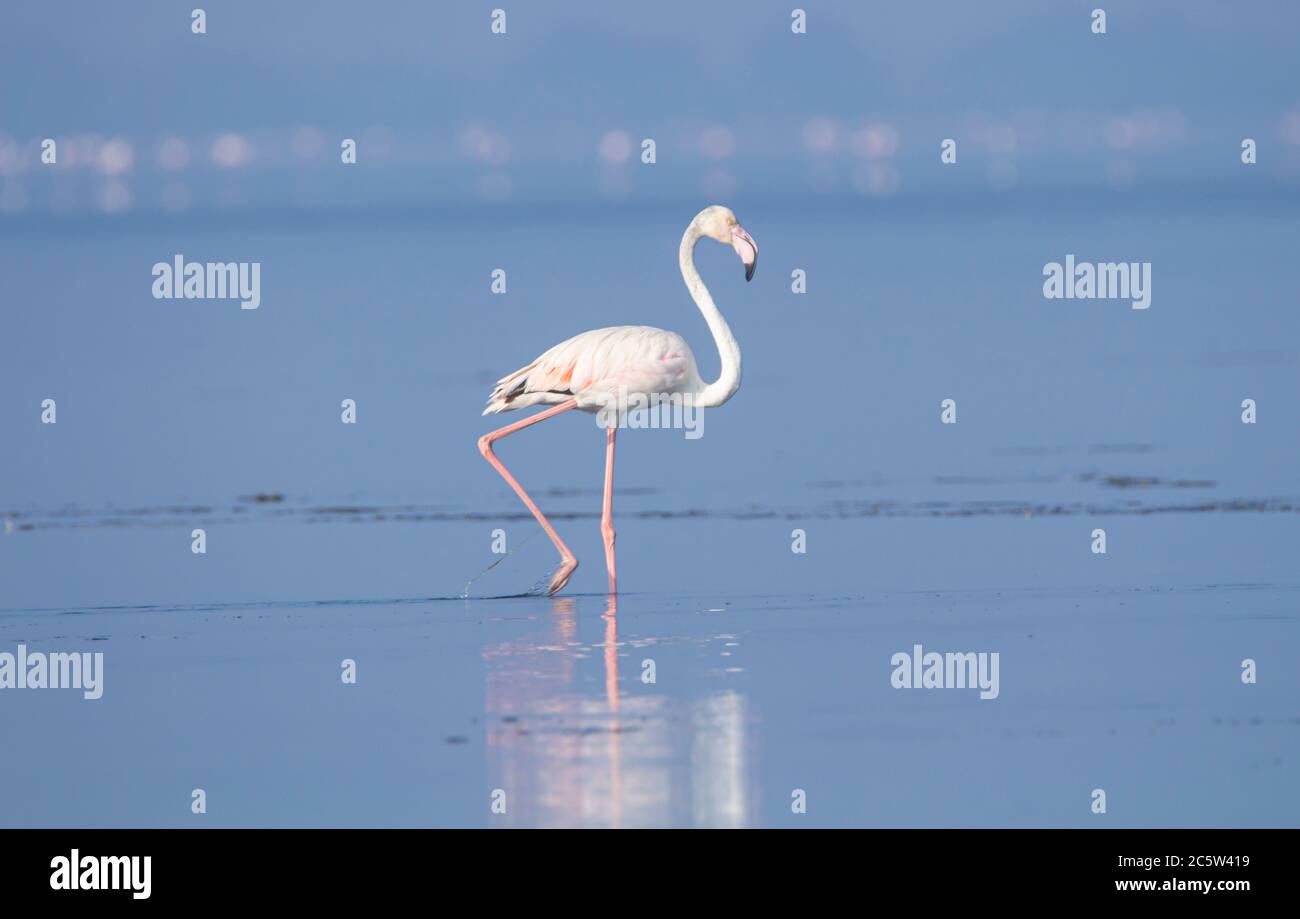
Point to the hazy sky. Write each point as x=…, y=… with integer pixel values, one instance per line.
x=732, y=97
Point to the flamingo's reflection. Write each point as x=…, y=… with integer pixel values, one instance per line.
x=629, y=753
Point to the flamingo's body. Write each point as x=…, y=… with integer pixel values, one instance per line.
x=589, y=368
x=598, y=369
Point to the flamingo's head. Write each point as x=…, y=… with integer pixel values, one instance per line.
x=718, y=222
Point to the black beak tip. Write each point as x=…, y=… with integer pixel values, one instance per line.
x=749, y=270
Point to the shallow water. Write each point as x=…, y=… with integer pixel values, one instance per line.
x=1129, y=689
x=772, y=669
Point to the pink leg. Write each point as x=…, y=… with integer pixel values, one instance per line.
x=568, y=561
x=607, y=514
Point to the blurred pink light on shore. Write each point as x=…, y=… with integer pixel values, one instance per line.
x=231, y=151
x=79, y=150
x=12, y=160
x=615, y=147
x=614, y=184
x=992, y=135
x=113, y=198
x=1291, y=127
x=115, y=157
x=484, y=144
x=878, y=179
x=820, y=136
x=875, y=141
x=1144, y=129
x=717, y=142
x=378, y=142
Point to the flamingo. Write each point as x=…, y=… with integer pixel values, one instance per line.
x=591, y=371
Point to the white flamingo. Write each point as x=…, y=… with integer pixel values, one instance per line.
x=592, y=370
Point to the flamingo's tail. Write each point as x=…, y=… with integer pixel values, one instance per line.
x=508, y=390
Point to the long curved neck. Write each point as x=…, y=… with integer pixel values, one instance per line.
x=728, y=381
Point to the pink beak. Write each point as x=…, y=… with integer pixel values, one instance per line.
x=746, y=248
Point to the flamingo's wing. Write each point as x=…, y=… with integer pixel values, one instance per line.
x=593, y=367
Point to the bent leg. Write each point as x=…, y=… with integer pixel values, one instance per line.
x=568, y=561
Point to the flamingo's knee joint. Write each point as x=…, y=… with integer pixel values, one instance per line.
x=485, y=445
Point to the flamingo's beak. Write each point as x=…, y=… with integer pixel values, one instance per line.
x=746, y=248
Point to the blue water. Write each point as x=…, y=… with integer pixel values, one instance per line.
x=1119, y=671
